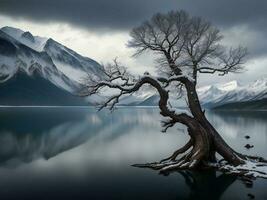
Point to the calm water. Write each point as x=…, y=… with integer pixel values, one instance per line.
x=77, y=153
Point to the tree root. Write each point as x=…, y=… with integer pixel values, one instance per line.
x=203, y=146
x=191, y=160
x=252, y=167
x=248, y=157
x=179, y=151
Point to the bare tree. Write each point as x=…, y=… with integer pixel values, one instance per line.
x=186, y=47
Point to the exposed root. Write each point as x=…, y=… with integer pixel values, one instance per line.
x=156, y=165
x=199, y=153
x=248, y=157
x=179, y=151
x=191, y=160
x=251, y=168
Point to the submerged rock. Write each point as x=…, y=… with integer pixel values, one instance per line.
x=248, y=146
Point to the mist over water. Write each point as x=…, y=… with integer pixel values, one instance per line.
x=78, y=153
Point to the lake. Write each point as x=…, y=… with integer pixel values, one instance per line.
x=78, y=153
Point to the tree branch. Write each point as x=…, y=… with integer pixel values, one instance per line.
x=128, y=85
x=231, y=62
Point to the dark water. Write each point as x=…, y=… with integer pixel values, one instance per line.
x=77, y=153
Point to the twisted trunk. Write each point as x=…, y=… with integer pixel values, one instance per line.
x=199, y=152
x=218, y=143
x=204, y=142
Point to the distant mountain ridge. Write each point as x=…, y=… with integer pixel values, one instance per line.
x=27, y=61
x=244, y=105
x=210, y=96
x=213, y=96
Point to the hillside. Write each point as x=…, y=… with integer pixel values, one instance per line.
x=247, y=105
x=26, y=90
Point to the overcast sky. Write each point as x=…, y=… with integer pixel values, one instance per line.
x=99, y=28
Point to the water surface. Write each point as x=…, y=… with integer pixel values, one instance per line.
x=78, y=153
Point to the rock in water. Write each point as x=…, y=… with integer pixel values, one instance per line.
x=248, y=146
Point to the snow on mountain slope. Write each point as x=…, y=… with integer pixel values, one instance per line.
x=70, y=63
x=232, y=85
x=139, y=97
x=35, y=42
x=233, y=92
x=210, y=96
x=16, y=57
x=62, y=66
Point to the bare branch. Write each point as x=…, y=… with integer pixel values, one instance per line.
x=186, y=45
x=118, y=78
x=167, y=124
x=231, y=62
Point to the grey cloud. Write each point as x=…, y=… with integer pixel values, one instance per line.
x=114, y=14
x=123, y=14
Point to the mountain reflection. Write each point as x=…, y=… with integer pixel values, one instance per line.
x=27, y=134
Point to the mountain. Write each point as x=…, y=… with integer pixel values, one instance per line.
x=34, y=60
x=216, y=95
x=34, y=90
x=245, y=105
x=57, y=63
x=140, y=97
x=210, y=96
x=40, y=71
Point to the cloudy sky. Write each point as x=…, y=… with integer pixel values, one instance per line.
x=99, y=29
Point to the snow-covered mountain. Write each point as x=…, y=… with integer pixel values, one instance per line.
x=220, y=94
x=22, y=54
x=21, y=51
x=210, y=96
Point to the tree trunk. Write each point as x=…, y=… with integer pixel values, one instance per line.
x=204, y=142
x=218, y=143
x=200, y=151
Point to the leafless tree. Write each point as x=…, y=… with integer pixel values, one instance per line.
x=186, y=47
